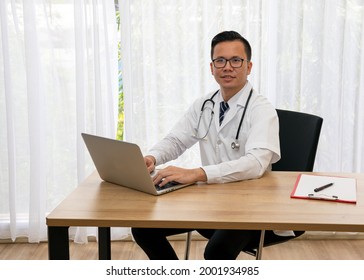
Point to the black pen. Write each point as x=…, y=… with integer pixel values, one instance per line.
x=323, y=187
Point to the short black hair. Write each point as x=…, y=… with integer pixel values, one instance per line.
x=231, y=36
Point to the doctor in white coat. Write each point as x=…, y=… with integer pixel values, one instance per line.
x=238, y=133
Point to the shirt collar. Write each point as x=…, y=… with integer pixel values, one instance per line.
x=240, y=98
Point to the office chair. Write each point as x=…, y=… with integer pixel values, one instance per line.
x=299, y=135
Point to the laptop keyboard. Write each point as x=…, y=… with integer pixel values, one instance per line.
x=166, y=186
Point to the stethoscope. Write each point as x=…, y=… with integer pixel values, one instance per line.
x=235, y=144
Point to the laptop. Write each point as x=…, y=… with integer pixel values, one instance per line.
x=122, y=163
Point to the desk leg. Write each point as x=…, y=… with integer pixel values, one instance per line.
x=104, y=243
x=261, y=245
x=58, y=243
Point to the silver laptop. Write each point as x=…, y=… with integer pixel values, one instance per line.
x=122, y=163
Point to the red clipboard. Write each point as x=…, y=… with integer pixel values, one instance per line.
x=342, y=189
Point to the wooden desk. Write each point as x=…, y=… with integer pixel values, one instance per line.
x=254, y=204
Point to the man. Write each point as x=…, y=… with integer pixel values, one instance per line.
x=238, y=138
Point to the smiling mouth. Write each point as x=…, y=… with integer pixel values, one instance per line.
x=227, y=77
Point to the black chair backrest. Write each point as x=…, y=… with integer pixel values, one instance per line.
x=299, y=134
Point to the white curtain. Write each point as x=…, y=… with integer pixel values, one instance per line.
x=307, y=56
x=58, y=78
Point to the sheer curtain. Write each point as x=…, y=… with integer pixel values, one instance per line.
x=307, y=56
x=58, y=78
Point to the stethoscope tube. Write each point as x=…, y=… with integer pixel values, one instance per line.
x=212, y=116
x=235, y=144
x=209, y=100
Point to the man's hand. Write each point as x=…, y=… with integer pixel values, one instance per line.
x=180, y=175
x=150, y=163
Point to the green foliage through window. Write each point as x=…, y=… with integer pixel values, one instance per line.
x=120, y=126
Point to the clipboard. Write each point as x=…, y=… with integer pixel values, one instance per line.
x=343, y=189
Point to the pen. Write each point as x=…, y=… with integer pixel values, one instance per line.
x=323, y=187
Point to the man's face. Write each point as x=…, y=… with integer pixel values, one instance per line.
x=231, y=80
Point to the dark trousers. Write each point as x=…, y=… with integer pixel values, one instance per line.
x=222, y=244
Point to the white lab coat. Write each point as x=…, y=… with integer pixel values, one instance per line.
x=258, y=138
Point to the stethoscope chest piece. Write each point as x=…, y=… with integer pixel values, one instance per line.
x=235, y=145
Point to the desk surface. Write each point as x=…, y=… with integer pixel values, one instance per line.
x=263, y=203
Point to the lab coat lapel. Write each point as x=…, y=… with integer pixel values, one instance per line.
x=234, y=110
x=231, y=115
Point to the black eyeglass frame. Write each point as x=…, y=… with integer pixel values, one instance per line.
x=226, y=60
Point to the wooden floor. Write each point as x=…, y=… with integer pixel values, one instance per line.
x=128, y=250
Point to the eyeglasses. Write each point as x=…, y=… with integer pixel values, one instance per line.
x=235, y=62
